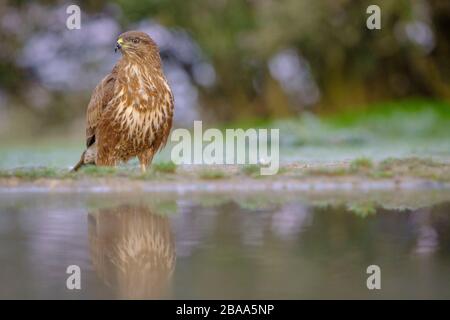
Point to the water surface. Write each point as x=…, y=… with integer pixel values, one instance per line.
x=255, y=245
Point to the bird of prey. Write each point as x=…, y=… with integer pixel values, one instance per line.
x=130, y=112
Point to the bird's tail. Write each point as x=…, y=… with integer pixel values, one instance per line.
x=87, y=157
x=80, y=163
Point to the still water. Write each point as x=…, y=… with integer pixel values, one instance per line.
x=232, y=246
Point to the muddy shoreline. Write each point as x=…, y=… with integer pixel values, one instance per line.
x=359, y=175
x=102, y=185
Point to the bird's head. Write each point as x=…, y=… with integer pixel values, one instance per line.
x=136, y=43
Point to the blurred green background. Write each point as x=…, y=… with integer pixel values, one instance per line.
x=343, y=96
x=312, y=68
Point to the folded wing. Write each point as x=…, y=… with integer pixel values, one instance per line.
x=100, y=98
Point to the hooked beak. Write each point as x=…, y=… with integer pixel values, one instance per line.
x=119, y=44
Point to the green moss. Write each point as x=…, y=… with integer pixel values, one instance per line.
x=251, y=169
x=362, y=209
x=96, y=171
x=33, y=173
x=381, y=174
x=212, y=174
x=165, y=167
x=361, y=164
x=421, y=168
x=254, y=170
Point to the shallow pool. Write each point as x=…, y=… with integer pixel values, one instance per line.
x=232, y=246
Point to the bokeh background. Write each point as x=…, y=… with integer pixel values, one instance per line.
x=309, y=67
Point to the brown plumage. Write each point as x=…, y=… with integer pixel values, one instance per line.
x=130, y=112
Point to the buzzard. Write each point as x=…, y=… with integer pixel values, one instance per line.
x=130, y=112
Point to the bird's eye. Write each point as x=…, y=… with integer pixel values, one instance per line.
x=135, y=40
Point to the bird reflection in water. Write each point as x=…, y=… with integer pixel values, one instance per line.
x=133, y=251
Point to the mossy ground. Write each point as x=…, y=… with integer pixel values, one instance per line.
x=391, y=168
x=363, y=168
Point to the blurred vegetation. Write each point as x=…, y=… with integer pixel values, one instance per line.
x=352, y=67
x=413, y=123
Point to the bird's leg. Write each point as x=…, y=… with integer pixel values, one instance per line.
x=145, y=158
